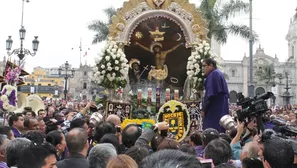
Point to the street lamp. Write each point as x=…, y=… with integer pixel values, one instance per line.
x=66, y=75
x=56, y=90
x=22, y=52
x=32, y=88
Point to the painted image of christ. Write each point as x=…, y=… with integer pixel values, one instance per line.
x=160, y=70
x=159, y=44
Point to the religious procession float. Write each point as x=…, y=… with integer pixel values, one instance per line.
x=151, y=65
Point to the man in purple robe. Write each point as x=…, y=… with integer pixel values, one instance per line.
x=216, y=98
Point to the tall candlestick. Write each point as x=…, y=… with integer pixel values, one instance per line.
x=167, y=95
x=139, y=98
x=158, y=99
x=176, y=94
x=149, y=99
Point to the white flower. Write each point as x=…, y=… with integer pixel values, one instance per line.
x=200, y=80
x=108, y=51
x=201, y=51
x=120, y=50
x=108, y=75
x=109, y=68
x=107, y=58
x=202, y=74
x=196, y=65
x=114, y=56
x=103, y=72
x=4, y=98
x=95, y=69
x=191, y=67
x=108, y=64
x=114, y=50
x=130, y=93
x=118, y=55
x=113, y=74
x=102, y=66
x=206, y=45
x=207, y=48
x=116, y=62
x=116, y=68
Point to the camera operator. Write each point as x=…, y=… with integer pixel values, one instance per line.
x=245, y=133
x=277, y=152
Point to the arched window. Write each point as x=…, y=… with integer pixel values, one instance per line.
x=85, y=86
x=85, y=72
x=233, y=73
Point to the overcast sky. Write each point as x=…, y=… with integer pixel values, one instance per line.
x=61, y=23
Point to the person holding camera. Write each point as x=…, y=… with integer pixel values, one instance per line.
x=216, y=98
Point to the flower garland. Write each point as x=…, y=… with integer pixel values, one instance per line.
x=200, y=52
x=8, y=99
x=111, y=70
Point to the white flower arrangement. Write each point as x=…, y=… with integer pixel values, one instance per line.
x=195, y=73
x=112, y=67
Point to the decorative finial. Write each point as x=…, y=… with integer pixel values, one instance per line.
x=259, y=46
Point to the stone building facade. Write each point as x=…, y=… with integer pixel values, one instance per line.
x=269, y=73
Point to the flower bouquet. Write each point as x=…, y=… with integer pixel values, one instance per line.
x=8, y=99
x=195, y=73
x=111, y=70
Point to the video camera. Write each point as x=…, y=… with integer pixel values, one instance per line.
x=252, y=106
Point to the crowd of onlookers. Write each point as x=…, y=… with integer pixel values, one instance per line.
x=71, y=136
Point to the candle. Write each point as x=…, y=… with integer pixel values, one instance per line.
x=149, y=99
x=139, y=98
x=167, y=94
x=176, y=94
x=158, y=99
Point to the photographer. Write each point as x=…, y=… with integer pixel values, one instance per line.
x=245, y=133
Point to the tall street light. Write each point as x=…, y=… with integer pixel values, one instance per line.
x=251, y=42
x=69, y=73
x=22, y=52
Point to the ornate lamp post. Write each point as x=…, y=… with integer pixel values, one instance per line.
x=56, y=90
x=32, y=88
x=22, y=52
x=66, y=76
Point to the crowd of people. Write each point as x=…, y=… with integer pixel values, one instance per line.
x=70, y=135
x=81, y=135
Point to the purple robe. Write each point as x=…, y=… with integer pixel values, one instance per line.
x=216, y=100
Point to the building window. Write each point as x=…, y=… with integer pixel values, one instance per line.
x=85, y=86
x=233, y=73
x=85, y=73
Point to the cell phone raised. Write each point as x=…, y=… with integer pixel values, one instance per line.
x=118, y=129
x=206, y=163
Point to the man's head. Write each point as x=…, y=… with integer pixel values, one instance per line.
x=79, y=123
x=16, y=121
x=130, y=134
x=77, y=141
x=100, y=154
x=135, y=66
x=3, y=144
x=208, y=65
x=250, y=150
x=219, y=151
x=103, y=128
x=35, y=136
x=14, y=149
x=41, y=113
x=6, y=130
x=208, y=135
x=114, y=119
x=278, y=153
x=157, y=49
x=28, y=112
x=170, y=158
x=38, y=156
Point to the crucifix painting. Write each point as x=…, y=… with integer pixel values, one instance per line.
x=159, y=45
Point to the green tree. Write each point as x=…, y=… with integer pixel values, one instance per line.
x=218, y=12
x=101, y=27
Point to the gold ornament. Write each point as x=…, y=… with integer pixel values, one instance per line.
x=138, y=35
